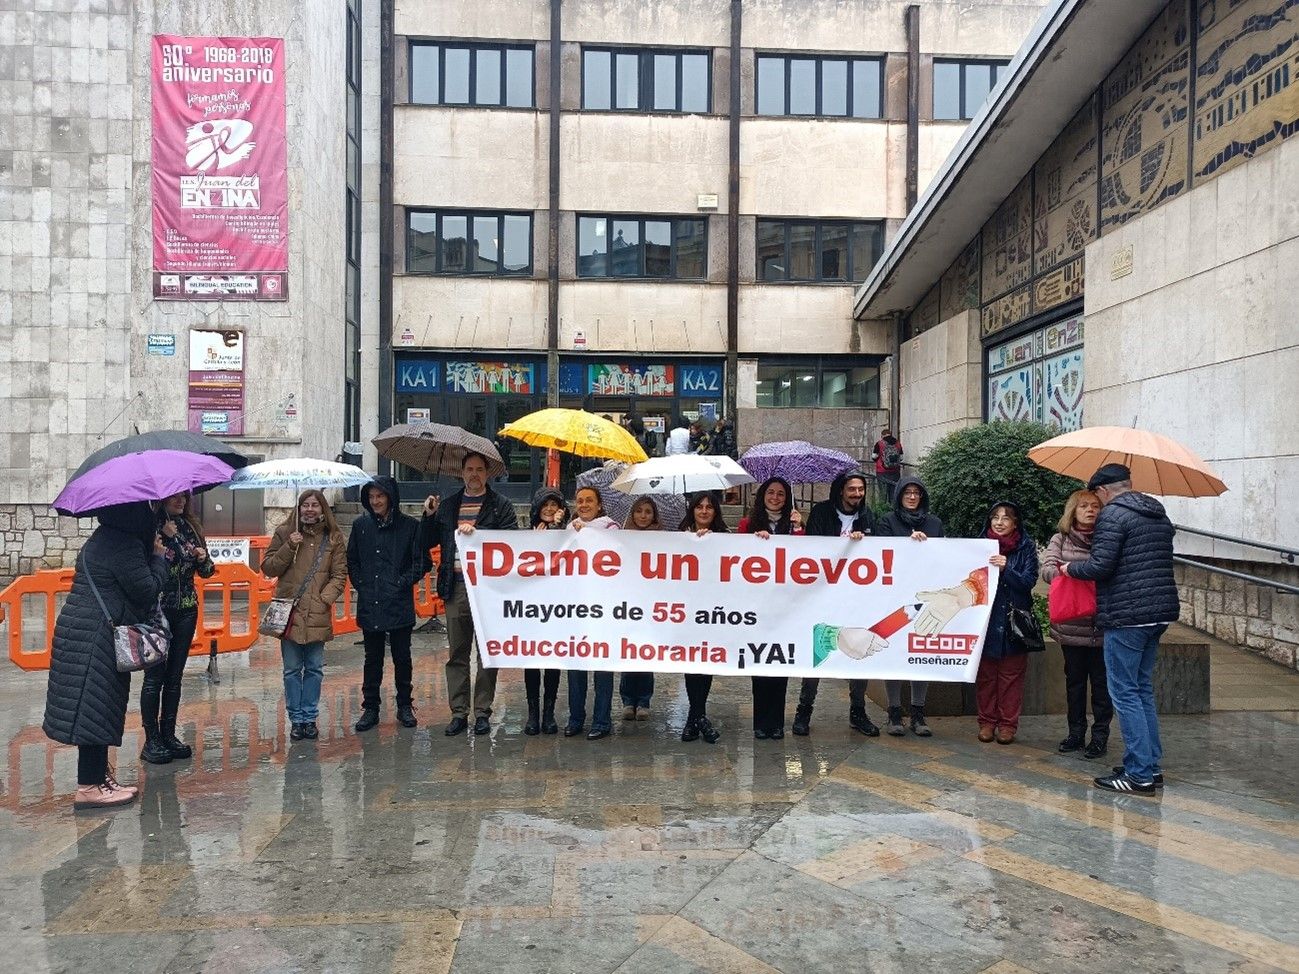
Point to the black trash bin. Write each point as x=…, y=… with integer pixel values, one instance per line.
x=352, y=453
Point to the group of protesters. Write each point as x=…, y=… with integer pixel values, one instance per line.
x=143, y=553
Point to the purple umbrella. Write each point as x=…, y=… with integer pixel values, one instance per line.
x=148, y=476
x=797, y=461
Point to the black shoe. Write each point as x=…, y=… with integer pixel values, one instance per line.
x=310, y=731
x=918, y=725
x=178, y=748
x=761, y=734
x=456, y=726
x=894, y=725
x=406, y=716
x=802, y=725
x=548, y=724
x=691, y=731
x=1095, y=749
x=1159, y=775
x=598, y=732
x=155, y=752
x=858, y=721
x=533, y=726
x=572, y=730
x=778, y=734
x=707, y=731
x=482, y=727
x=1069, y=744
x=295, y=732
x=369, y=718
x=1124, y=785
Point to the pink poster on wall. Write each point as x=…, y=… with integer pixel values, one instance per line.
x=220, y=179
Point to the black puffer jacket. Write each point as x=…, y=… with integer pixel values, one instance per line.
x=900, y=523
x=384, y=561
x=824, y=521
x=439, y=531
x=1132, y=564
x=85, y=702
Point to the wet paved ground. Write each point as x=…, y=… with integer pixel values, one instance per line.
x=404, y=850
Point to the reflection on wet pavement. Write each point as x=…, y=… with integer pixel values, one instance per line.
x=405, y=850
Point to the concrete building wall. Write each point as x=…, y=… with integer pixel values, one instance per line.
x=941, y=383
x=494, y=19
x=1200, y=343
x=645, y=317
x=469, y=312
x=793, y=319
x=370, y=278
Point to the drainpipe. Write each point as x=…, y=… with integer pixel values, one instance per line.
x=733, y=222
x=552, y=235
x=386, y=40
x=913, y=104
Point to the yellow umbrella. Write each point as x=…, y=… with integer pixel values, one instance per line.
x=1159, y=465
x=576, y=431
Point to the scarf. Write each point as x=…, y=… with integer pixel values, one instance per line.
x=915, y=520
x=1008, y=543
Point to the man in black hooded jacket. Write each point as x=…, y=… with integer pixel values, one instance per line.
x=845, y=513
x=384, y=561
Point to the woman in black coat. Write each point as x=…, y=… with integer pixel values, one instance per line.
x=703, y=516
x=85, y=703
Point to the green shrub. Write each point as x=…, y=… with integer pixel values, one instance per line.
x=971, y=469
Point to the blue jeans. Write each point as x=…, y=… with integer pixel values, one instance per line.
x=304, y=670
x=602, y=715
x=636, y=689
x=1130, y=667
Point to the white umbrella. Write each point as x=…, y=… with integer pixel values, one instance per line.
x=295, y=474
x=682, y=474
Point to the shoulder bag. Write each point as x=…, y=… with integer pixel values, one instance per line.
x=1023, y=630
x=141, y=645
x=279, y=613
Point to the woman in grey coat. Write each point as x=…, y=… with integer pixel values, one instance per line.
x=1080, y=639
x=85, y=702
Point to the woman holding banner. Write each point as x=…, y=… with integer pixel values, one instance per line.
x=549, y=513
x=999, y=687
x=772, y=513
x=635, y=689
x=703, y=516
x=590, y=514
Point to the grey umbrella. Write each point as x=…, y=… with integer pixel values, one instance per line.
x=618, y=505
x=436, y=448
x=182, y=440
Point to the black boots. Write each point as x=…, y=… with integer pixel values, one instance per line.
x=167, y=725
x=533, y=726
x=859, y=721
x=918, y=725
x=548, y=724
x=894, y=725
x=802, y=725
x=158, y=734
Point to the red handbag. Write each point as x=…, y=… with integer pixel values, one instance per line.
x=1071, y=598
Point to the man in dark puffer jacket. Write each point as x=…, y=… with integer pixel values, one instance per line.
x=1136, y=600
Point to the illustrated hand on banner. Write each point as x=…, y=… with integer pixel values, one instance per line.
x=942, y=605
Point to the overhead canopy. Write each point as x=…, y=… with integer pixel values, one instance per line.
x=1071, y=51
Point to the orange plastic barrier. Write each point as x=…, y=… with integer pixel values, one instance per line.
x=47, y=584
x=427, y=602
x=231, y=583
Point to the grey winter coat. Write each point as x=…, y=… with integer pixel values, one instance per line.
x=1071, y=548
x=85, y=699
x=1131, y=563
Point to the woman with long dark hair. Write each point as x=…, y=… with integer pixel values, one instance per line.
x=773, y=512
x=703, y=516
x=182, y=536
x=635, y=689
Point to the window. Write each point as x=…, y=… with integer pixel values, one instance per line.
x=961, y=87
x=631, y=246
x=645, y=80
x=827, y=87
x=816, y=381
x=449, y=242
x=817, y=250
x=462, y=73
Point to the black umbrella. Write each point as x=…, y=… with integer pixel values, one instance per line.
x=181, y=440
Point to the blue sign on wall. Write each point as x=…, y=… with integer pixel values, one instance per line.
x=699, y=381
x=418, y=374
x=572, y=380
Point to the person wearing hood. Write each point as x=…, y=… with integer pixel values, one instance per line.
x=999, y=685
x=120, y=573
x=844, y=514
x=910, y=518
x=1131, y=562
x=307, y=554
x=1080, y=639
x=549, y=513
x=385, y=559
x=887, y=454
x=472, y=507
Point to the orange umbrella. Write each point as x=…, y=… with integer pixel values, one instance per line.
x=1159, y=465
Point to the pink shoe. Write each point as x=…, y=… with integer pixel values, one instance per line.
x=101, y=796
x=112, y=782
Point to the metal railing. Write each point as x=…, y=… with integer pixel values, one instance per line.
x=1287, y=554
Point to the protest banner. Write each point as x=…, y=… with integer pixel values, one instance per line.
x=730, y=604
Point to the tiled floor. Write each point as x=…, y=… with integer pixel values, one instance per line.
x=404, y=850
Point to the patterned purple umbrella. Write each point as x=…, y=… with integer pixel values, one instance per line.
x=798, y=461
x=147, y=476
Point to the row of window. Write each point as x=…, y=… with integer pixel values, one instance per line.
x=657, y=80
x=673, y=248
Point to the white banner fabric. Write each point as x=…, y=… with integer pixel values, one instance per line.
x=729, y=603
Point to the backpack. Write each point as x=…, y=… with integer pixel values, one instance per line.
x=891, y=454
